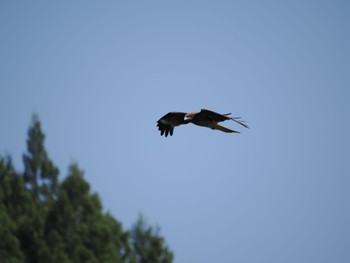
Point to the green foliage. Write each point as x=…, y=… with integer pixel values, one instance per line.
x=44, y=220
x=40, y=174
x=13, y=197
x=148, y=245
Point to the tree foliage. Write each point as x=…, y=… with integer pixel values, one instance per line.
x=148, y=244
x=44, y=220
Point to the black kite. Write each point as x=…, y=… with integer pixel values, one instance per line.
x=205, y=118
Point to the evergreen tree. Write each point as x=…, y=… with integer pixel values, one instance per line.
x=87, y=232
x=43, y=220
x=149, y=246
x=40, y=174
x=10, y=251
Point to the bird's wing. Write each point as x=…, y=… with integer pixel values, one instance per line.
x=224, y=129
x=167, y=123
x=165, y=129
x=213, y=116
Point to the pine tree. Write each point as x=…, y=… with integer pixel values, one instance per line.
x=149, y=246
x=40, y=174
x=43, y=220
x=89, y=235
x=10, y=250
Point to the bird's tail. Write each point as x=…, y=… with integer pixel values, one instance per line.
x=236, y=119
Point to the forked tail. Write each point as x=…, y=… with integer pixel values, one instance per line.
x=236, y=119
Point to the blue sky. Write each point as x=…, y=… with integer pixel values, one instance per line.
x=100, y=74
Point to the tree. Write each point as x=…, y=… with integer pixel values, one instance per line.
x=44, y=220
x=40, y=174
x=89, y=234
x=149, y=246
x=9, y=246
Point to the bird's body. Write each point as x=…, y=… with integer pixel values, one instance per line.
x=204, y=118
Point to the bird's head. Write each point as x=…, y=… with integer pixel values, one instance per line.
x=189, y=116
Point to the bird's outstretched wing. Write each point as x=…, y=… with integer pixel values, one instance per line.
x=170, y=120
x=214, y=116
x=224, y=129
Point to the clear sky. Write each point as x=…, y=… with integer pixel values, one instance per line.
x=101, y=73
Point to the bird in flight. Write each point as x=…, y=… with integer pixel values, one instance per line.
x=205, y=118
